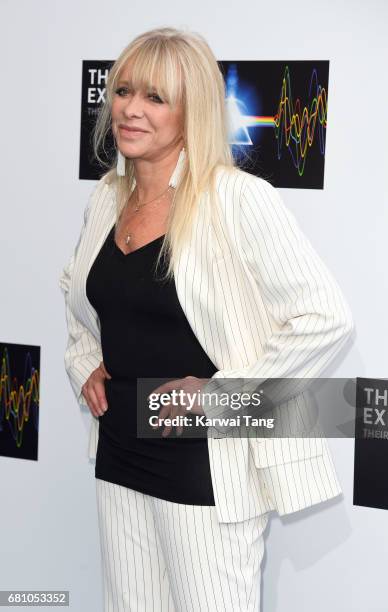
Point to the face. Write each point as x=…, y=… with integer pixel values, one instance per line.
x=160, y=128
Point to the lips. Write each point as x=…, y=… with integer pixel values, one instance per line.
x=131, y=129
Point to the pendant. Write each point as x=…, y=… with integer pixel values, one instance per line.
x=128, y=238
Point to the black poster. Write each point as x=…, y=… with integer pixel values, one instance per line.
x=94, y=77
x=371, y=443
x=278, y=117
x=19, y=400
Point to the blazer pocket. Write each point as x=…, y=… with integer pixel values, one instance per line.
x=276, y=451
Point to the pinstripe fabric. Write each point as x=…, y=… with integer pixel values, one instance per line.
x=262, y=304
x=162, y=556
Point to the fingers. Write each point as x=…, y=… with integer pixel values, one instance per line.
x=101, y=405
x=165, y=413
x=104, y=370
x=94, y=394
x=94, y=404
x=169, y=411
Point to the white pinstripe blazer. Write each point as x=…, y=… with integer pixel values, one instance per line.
x=261, y=303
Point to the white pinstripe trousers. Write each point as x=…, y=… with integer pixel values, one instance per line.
x=162, y=556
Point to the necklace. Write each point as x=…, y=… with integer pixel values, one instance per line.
x=139, y=205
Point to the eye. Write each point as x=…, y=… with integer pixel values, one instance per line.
x=121, y=91
x=156, y=98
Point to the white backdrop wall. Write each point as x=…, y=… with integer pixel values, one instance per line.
x=330, y=557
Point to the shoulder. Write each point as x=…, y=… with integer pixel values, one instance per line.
x=253, y=202
x=101, y=190
x=104, y=184
x=241, y=187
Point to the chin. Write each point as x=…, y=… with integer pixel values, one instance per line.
x=133, y=150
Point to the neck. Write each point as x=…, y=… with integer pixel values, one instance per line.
x=153, y=175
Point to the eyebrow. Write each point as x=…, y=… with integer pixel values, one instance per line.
x=122, y=81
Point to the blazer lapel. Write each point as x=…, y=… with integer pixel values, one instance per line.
x=95, y=235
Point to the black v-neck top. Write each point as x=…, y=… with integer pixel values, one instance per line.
x=145, y=333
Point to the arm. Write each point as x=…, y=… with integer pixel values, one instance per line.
x=83, y=352
x=313, y=320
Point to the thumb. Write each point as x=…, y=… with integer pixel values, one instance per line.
x=106, y=373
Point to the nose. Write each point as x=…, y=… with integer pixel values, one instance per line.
x=134, y=105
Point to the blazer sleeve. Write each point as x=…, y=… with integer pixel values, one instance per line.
x=299, y=293
x=83, y=352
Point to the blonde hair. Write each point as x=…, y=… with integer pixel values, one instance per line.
x=183, y=69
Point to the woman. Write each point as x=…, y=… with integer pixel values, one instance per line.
x=190, y=270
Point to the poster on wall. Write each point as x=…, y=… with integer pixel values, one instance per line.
x=371, y=443
x=94, y=77
x=277, y=117
x=19, y=400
